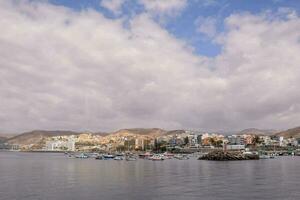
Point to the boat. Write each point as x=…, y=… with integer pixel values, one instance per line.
x=157, y=158
x=93, y=155
x=146, y=155
x=181, y=157
x=250, y=153
x=130, y=158
x=108, y=157
x=119, y=154
x=82, y=155
x=264, y=157
x=100, y=157
x=167, y=155
x=272, y=156
x=118, y=158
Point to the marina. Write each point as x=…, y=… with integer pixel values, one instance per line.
x=217, y=155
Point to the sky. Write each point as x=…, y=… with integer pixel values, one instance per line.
x=103, y=65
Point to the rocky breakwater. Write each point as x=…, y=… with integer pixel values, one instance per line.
x=228, y=156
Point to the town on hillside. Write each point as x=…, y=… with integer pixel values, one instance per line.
x=184, y=141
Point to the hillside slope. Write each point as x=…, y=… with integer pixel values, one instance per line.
x=255, y=131
x=141, y=131
x=293, y=132
x=2, y=139
x=37, y=136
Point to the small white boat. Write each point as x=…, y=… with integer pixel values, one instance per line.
x=118, y=158
x=249, y=153
x=82, y=155
x=181, y=157
x=130, y=158
x=264, y=157
x=93, y=155
x=167, y=155
x=157, y=158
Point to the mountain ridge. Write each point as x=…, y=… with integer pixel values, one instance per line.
x=37, y=136
x=256, y=131
x=293, y=132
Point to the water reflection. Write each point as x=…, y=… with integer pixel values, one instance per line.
x=30, y=176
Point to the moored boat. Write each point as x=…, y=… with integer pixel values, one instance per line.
x=157, y=158
x=118, y=158
x=108, y=156
x=146, y=155
x=167, y=155
x=181, y=157
x=264, y=157
x=130, y=158
x=82, y=155
x=100, y=157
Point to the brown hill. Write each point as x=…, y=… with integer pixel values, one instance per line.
x=2, y=139
x=148, y=131
x=255, y=131
x=37, y=136
x=294, y=132
x=101, y=133
x=141, y=131
x=175, y=132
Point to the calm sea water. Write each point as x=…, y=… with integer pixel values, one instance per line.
x=33, y=176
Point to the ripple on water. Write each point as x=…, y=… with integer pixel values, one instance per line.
x=30, y=176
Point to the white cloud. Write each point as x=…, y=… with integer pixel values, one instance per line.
x=207, y=26
x=81, y=70
x=164, y=7
x=260, y=62
x=207, y=3
x=115, y=6
x=61, y=69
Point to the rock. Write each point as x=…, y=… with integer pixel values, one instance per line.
x=228, y=156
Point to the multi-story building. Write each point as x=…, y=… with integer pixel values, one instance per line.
x=236, y=140
x=199, y=139
x=61, y=144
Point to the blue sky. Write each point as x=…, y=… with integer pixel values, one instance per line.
x=183, y=25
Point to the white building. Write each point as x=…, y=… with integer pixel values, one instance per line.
x=235, y=147
x=281, y=141
x=56, y=144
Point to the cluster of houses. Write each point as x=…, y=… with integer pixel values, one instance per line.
x=186, y=140
x=59, y=143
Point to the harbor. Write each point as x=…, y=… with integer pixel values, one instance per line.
x=214, y=155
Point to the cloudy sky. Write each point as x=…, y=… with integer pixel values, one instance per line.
x=105, y=65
